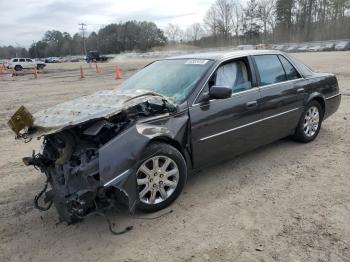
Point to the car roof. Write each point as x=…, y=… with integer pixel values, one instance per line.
x=222, y=55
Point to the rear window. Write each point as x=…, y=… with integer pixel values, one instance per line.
x=303, y=69
x=270, y=69
x=291, y=72
x=29, y=60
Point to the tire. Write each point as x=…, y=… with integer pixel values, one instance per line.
x=18, y=68
x=302, y=133
x=157, y=189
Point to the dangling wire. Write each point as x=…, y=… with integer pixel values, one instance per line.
x=155, y=217
x=38, y=196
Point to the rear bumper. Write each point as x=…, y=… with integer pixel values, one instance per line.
x=332, y=105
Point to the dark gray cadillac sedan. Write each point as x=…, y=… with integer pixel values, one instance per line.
x=136, y=145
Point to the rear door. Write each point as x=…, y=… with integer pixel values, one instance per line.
x=282, y=93
x=30, y=63
x=224, y=128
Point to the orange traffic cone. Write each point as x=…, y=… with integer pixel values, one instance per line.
x=117, y=72
x=35, y=73
x=81, y=72
x=97, y=69
x=2, y=69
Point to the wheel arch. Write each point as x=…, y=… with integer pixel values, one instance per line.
x=176, y=144
x=320, y=99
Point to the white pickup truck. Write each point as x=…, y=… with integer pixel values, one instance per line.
x=25, y=63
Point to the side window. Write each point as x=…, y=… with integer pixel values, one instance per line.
x=28, y=60
x=270, y=69
x=291, y=72
x=22, y=60
x=234, y=75
x=15, y=60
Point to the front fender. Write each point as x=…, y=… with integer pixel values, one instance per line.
x=120, y=157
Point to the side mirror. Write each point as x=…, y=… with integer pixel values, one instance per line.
x=220, y=92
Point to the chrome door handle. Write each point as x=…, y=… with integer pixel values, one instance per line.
x=300, y=90
x=252, y=104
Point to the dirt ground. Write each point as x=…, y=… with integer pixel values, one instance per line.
x=283, y=202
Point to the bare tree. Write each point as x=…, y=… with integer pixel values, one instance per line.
x=194, y=32
x=224, y=9
x=237, y=18
x=173, y=32
x=211, y=21
x=266, y=15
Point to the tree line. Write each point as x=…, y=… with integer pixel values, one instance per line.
x=113, y=38
x=229, y=22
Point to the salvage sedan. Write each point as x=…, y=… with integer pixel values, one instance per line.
x=136, y=145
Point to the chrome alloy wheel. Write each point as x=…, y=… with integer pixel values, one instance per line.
x=157, y=179
x=311, y=121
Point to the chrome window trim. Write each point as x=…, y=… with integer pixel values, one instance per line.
x=275, y=84
x=248, y=124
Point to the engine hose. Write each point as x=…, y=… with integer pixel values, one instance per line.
x=38, y=196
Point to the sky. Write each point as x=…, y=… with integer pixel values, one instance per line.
x=25, y=21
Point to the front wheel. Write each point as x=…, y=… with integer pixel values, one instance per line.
x=310, y=123
x=161, y=177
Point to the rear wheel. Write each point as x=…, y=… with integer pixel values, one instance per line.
x=18, y=68
x=161, y=177
x=310, y=123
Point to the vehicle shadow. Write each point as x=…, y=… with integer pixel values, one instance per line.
x=228, y=177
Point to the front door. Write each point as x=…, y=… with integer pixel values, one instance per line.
x=223, y=128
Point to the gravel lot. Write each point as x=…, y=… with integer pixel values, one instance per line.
x=283, y=202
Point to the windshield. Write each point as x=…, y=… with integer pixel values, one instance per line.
x=173, y=78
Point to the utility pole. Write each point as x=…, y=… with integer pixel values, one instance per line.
x=82, y=28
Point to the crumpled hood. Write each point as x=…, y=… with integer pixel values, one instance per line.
x=102, y=104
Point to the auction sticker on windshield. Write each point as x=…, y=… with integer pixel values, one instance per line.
x=196, y=62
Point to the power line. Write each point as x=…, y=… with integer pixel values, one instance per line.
x=83, y=29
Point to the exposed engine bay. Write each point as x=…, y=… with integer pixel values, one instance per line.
x=70, y=158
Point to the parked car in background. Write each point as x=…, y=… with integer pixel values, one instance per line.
x=328, y=46
x=279, y=47
x=315, y=48
x=177, y=115
x=342, y=46
x=53, y=60
x=292, y=48
x=25, y=63
x=303, y=48
x=95, y=56
x=246, y=47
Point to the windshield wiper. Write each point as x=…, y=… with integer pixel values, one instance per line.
x=166, y=104
x=144, y=94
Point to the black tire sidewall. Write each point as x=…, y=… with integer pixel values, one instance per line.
x=164, y=149
x=300, y=135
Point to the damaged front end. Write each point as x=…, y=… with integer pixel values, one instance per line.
x=76, y=156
